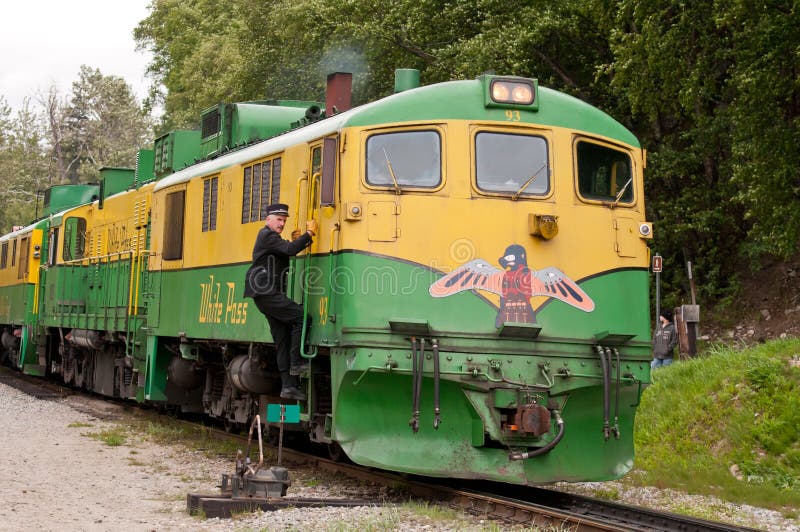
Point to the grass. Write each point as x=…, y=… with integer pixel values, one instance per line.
x=609, y=494
x=433, y=512
x=113, y=437
x=725, y=424
x=79, y=424
x=389, y=518
x=167, y=432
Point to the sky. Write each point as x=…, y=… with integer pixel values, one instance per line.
x=44, y=42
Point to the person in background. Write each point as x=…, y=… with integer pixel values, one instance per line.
x=266, y=284
x=665, y=338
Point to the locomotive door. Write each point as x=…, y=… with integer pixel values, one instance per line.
x=305, y=278
x=314, y=269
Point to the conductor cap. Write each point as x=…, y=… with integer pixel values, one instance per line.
x=279, y=209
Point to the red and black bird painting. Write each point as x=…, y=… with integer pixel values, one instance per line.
x=516, y=284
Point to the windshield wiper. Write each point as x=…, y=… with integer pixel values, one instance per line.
x=528, y=182
x=391, y=172
x=621, y=192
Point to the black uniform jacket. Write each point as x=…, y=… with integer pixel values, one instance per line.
x=271, y=253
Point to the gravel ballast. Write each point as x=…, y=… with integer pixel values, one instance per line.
x=59, y=473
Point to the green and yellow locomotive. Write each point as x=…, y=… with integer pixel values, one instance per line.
x=478, y=289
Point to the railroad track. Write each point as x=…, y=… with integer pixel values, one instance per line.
x=517, y=505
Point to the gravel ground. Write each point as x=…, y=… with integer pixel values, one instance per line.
x=59, y=473
x=699, y=506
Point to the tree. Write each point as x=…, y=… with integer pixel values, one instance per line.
x=195, y=57
x=23, y=164
x=714, y=91
x=101, y=125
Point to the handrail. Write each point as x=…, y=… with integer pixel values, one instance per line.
x=312, y=189
x=312, y=350
x=297, y=201
x=332, y=264
x=137, y=267
x=98, y=258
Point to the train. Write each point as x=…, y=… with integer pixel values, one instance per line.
x=477, y=292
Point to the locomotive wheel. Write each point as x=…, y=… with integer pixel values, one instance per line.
x=336, y=453
x=68, y=367
x=83, y=371
x=79, y=372
x=231, y=427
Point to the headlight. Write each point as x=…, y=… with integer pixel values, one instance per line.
x=517, y=92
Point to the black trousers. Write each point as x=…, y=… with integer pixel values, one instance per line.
x=285, y=319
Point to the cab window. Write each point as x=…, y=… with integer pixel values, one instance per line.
x=405, y=159
x=74, y=239
x=173, y=226
x=512, y=164
x=23, y=257
x=604, y=174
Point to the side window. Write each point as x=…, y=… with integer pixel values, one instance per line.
x=23, y=257
x=74, y=239
x=512, y=163
x=266, y=170
x=4, y=255
x=52, y=247
x=13, y=252
x=604, y=174
x=173, y=226
x=210, y=203
x=405, y=159
x=255, y=203
x=260, y=188
x=328, y=184
x=316, y=168
x=276, y=182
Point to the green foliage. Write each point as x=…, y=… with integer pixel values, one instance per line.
x=725, y=424
x=104, y=126
x=62, y=139
x=712, y=89
x=195, y=56
x=23, y=164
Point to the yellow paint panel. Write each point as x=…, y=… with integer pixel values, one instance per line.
x=441, y=228
x=117, y=231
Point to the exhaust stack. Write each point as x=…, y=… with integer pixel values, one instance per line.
x=339, y=92
x=405, y=79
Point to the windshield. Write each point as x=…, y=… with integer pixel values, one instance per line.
x=512, y=163
x=405, y=159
